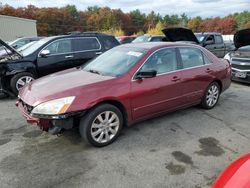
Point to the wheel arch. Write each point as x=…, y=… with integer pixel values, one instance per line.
x=117, y=104
x=220, y=84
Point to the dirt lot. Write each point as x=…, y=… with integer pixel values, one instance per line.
x=185, y=149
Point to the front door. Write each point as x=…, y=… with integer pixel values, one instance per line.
x=161, y=93
x=60, y=57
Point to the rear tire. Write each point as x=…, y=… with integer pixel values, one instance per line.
x=20, y=80
x=211, y=96
x=102, y=125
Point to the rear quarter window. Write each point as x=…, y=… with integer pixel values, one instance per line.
x=109, y=42
x=86, y=44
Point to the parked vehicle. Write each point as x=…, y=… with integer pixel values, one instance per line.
x=240, y=57
x=18, y=43
x=214, y=42
x=49, y=55
x=149, y=38
x=126, y=39
x=236, y=175
x=211, y=41
x=126, y=84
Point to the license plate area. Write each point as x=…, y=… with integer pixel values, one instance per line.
x=241, y=74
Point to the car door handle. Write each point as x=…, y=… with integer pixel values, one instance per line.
x=175, y=79
x=69, y=56
x=208, y=70
x=98, y=53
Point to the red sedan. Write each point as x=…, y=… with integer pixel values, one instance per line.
x=236, y=175
x=125, y=85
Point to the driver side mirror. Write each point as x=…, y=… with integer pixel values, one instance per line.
x=44, y=53
x=146, y=74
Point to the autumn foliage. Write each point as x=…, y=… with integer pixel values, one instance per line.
x=53, y=21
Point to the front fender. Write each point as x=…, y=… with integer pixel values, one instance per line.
x=15, y=68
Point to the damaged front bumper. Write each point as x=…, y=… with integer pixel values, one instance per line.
x=52, y=124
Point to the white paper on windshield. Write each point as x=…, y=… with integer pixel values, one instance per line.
x=137, y=54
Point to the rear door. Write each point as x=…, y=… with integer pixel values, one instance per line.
x=85, y=49
x=161, y=93
x=197, y=73
x=60, y=57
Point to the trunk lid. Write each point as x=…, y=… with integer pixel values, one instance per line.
x=180, y=34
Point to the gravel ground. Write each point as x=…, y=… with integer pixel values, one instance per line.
x=187, y=148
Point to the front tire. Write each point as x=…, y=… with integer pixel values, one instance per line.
x=211, y=96
x=102, y=125
x=20, y=80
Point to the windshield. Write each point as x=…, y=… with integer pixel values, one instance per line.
x=25, y=46
x=200, y=37
x=115, y=62
x=142, y=39
x=31, y=49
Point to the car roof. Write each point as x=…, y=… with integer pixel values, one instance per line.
x=208, y=33
x=152, y=45
x=80, y=34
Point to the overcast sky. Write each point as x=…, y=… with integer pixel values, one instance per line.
x=203, y=8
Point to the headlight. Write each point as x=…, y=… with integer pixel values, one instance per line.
x=54, y=107
x=227, y=57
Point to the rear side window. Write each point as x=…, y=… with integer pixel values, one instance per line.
x=191, y=57
x=218, y=39
x=85, y=44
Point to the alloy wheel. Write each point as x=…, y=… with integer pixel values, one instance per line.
x=212, y=95
x=23, y=81
x=105, y=126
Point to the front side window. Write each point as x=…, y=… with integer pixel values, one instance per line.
x=210, y=39
x=85, y=44
x=191, y=57
x=59, y=47
x=162, y=61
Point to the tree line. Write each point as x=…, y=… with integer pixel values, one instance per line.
x=55, y=21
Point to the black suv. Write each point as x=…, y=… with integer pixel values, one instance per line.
x=49, y=55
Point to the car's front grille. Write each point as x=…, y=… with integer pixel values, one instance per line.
x=27, y=107
x=244, y=60
x=241, y=67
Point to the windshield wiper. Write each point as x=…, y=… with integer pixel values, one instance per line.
x=94, y=71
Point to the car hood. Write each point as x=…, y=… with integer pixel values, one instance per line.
x=242, y=38
x=240, y=54
x=236, y=175
x=11, y=49
x=70, y=82
x=180, y=34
